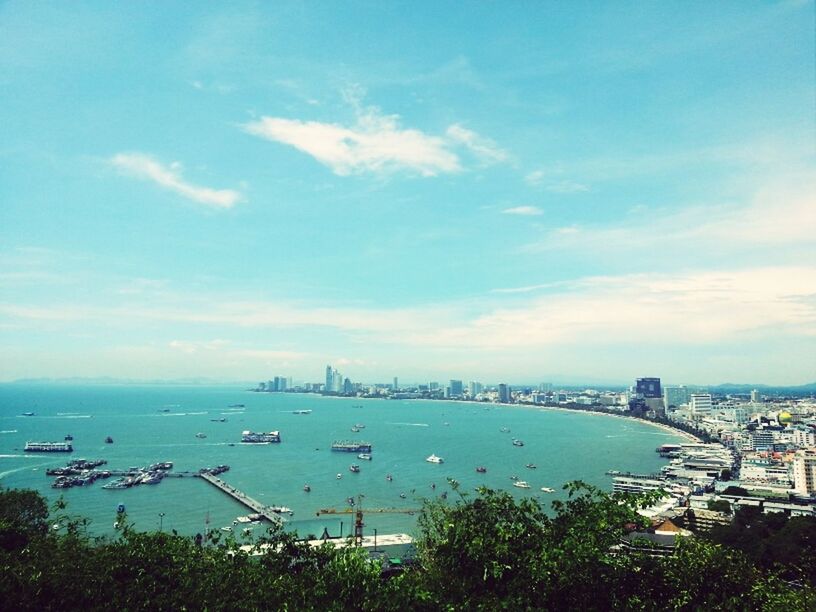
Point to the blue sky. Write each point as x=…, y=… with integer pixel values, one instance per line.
x=490, y=191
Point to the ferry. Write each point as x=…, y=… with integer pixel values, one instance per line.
x=517, y=442
x=49, y=447
x=250, y=437
x=364, y=456
x=354, y=468
x=351, y=447
x=521, y=484
x=434, y=459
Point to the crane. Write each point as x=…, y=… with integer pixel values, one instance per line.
x=358, y=515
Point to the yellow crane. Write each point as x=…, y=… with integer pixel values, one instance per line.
x=358, y=515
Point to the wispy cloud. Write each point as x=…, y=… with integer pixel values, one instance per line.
x=485, y=149
x=527, y=211
x=145, y=167
x=552, y=179
x=376, y=143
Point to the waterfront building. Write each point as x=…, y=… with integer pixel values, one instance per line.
x=648, y=387
x=456, y=388
x=675, y=396
x=545, y=387
x=329, y=379
x=700, y=404
x=474, y=388
x=504, y=394
x=804, y=472
x=396, y=386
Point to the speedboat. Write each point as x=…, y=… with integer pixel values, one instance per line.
x=389, y=477
x=402, y=496
x=434, y=459
x=360, y=426
x=547, y=490
x=69, y=437
x=355, y=429
x=517, y=442
x=521, y=484
x=354, y=468
x=481, y=469
x=339, y=475
x=364, y=456
x=307, y=488
x=201, y=435
x=531, y=466
x=505, y=430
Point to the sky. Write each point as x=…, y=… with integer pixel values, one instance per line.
x=505, y=192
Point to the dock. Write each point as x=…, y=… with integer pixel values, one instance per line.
x=242, y=498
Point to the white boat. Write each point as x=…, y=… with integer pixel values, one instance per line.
x=521, y=484
x=281, y=510
x=434, y=459
x=364, y=456
x=339, y=476
x=548, y=490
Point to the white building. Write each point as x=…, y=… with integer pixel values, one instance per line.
x=804, y=438
x=700, y=404
x=804, y=472
x=675, y=396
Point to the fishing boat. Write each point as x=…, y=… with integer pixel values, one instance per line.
x=108, y=440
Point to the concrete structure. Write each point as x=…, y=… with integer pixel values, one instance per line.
x=456, y=388
x=648, y=387
x=504, y=393
x=804, y=472
x=700, y=405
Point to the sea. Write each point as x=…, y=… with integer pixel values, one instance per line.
x=149, y=424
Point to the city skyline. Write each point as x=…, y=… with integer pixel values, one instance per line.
x=549, y=192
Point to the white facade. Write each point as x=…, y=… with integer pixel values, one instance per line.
x=804, y=472
x=804, y=438
x=700, y=404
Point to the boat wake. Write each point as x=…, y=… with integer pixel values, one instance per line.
x=411, y=424
x=8, y=431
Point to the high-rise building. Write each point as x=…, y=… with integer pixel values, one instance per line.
x=648, y=387
x=545, y=387
x=456, y=388
x=329, y=379
x=474, y=388
x=755, y=397
x=675, y=396
x=396, y=386
x=700, y=404
x=804, y=472
x=504, y=394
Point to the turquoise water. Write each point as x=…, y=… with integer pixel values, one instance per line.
x=564, y=445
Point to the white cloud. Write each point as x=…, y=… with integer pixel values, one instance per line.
x=485, y=149
x=145, y=167
x=528, y=211
x=376, y=143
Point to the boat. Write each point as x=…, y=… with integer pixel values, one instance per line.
x=307, y=488
x=355, y=429
x=221, y=420
x=354, y=468
x=227, y=528
x=48, y=447
x=201, y=435
x=505, y=430
x=343, y=446
x=547, y=490
x=28, y=414
x=69, y=437
x=521, y=484
x=360, y=426
x=108, y=440
x=364, y=456
x=402, y=496
x=301, y=412
x=517, y=442
x=514, y=478
x=121, y=483
x=389, y=477
x=250, y=437
x=235, y=406
x=481, y=469
x=281, y=510
x=531, y=466
x=339, y=475
x=434, y=459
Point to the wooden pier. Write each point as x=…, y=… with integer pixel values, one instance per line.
x=241, y=497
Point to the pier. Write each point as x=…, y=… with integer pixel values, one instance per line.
x=241, y=497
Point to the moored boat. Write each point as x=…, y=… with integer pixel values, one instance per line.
x=351, y=447
x=547, y=490
x=521, y=484
x=48, y=447
x=251, y=437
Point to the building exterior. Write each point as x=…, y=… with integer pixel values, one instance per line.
x=456, y=388
x=474, y=388
x=329, y=379
x=755, y=397
x=648, y=387
x=675, y=396
x=700, y=404
x=804, y=472
x=504, y=394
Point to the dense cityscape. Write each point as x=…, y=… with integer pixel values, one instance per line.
x=744, y=450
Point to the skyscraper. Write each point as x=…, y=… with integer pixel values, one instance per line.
x=456, y=388
x=504, y=394
x=675, y=396
x=329, y=380
x=648, y=387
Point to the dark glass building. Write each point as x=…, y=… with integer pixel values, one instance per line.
x=648, y=387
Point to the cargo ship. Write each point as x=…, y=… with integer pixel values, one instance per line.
x=351, y=447
x=250, y=437
x=49, y=447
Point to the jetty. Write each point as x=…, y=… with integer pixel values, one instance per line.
x=253, y=504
